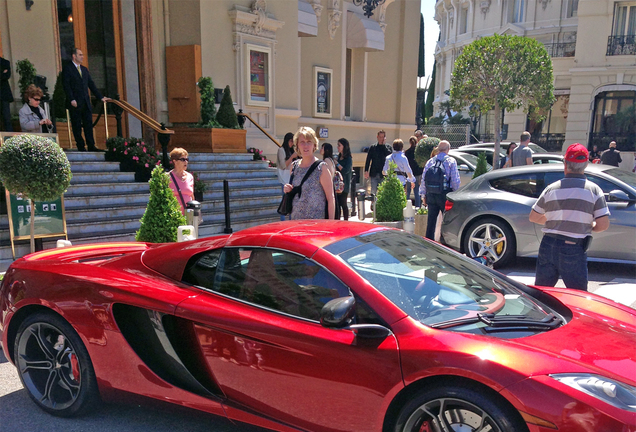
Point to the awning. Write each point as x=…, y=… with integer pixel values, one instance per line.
x=364, y=33
x=307, y=21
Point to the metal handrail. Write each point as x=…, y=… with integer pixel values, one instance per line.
x=242, y=114
x=141, y=116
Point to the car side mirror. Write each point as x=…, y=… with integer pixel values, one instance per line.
x=618, y=195
x=463, y=168
x=338, y=313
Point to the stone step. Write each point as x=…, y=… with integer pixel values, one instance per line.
x=77, y=156
x=220, y=157
x=94, y=201
x=102, y=177
x=207, y=176
x=92, y=166
x=106, y=188
x=253, y=191
x=199, y=166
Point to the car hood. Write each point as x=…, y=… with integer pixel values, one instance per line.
x=601, y=335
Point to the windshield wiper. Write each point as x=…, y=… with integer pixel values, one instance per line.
x=505, y=322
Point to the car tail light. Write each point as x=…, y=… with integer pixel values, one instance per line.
x=448, y=205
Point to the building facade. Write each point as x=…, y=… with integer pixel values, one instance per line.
x=289, y=63
x=593, y=49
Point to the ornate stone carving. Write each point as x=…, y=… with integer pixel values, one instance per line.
x=237, y=43
x=484, y=5
x=335, y=14
x=451, y=16
x=544, y=3
x=317, y=9
x=255, y=21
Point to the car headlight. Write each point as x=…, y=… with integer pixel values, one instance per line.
x=615, y=393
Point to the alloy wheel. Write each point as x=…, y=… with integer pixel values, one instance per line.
x=450, y=415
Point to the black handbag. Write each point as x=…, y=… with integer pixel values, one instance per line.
x=286, y=204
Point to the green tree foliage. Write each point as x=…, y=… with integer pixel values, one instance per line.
x=59, y=99
x=482, y=165
x=503, y=72
x=423, y=150
x=226, y=116
x=27, y=73
x=430, y=96
x=34, y=166
x=391, y=198
x=163, y=215
x=208, y=107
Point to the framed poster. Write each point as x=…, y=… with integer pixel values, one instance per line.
x=258, y=67
x=323, y=78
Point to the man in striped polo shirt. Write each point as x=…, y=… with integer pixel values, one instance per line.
x=571, y=209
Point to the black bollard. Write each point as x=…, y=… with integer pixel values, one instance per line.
x=226, y=199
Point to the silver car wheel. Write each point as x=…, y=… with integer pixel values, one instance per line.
x=487, y=239
x=450, y=415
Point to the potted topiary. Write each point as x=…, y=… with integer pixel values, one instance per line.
x=216, y=132
x=27, y=73
x=421, y=219
x=35, y=167
x=423, y=150
x=482, y=165
x=163, y=215
x=391, y=200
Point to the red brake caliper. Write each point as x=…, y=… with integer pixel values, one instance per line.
x=75, y=367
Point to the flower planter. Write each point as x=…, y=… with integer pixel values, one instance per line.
x=420, y=224
x=397, y=224
x=198, y=196
x=209, y=140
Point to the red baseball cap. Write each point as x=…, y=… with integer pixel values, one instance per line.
x=576, y=153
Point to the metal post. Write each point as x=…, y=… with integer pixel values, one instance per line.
x=105, y=121
x=226, y=199
x=164, y=139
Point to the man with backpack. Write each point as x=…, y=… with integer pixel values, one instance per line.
x=440, y=176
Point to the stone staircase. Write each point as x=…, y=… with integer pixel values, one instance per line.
x=104, y=205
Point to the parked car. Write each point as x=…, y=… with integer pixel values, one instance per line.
x=317, y=326
x=537, y=158
x=466, y=164
x=503, y=146
x=489, y=216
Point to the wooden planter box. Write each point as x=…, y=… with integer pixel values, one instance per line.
x=209, y=140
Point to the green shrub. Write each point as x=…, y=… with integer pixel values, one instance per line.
x=482, y=165
x=134, y=155
x=59, y=99
x=27, y=73
x=424, y=148
x=163, y=215
x=391, y=198
x=208, y=107
x=422, y=211
x=34, y=166
x=226, y=116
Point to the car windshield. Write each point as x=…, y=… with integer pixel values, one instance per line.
x=537, y=148
x=472, y=159
x=440, y=288
x=624, y=176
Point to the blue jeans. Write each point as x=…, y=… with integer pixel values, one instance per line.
x=375, y=181
x=416, y=191
x=558, y=257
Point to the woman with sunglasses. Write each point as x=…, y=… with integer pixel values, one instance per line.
x=181, y=181
x=32, y=117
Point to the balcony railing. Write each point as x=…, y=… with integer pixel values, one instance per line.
x=562, y=49
x=621, y=45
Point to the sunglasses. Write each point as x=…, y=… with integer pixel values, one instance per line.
x=183, y=159
x=36, y=99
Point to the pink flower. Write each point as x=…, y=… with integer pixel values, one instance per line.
x=125, y=151
x=135, y=158
x=125, y=143
x=138, y=144
x=157, y=153
x=144, y=149
x=146, y=165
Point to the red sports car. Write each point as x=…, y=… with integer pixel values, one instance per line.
x=318, y=326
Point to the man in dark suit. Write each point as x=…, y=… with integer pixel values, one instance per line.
x=6, y=97
x=76, y=81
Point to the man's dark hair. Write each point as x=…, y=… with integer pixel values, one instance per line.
x=74, y=51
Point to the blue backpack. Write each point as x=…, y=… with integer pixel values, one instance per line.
x=435, y=178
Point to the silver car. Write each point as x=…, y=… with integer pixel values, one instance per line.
x=466, y=164
x=489, y=216
x=503, y=146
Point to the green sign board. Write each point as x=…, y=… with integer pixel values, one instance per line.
x=49, y=218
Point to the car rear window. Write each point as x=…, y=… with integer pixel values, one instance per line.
x=521, y=184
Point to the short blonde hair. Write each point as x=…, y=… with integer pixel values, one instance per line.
x=178, y=153
x=307, y=133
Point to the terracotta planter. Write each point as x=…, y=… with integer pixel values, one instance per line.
x=420, y=225
x=397, y=224
x=209, y=140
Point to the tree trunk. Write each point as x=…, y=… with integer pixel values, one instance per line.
x=495, y=156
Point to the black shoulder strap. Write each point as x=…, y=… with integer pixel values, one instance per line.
x=174, y=180
x=311, y=169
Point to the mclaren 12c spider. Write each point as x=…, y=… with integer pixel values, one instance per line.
x=318, y=326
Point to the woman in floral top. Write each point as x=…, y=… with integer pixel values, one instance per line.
x=317, y=191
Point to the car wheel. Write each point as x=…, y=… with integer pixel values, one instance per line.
x=493, y=238
x=456, y=409
x=54, y=366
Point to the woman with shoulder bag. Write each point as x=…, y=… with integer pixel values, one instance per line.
x=284, y=159
x=344, y=164
x=181, y=181
x=316, y=192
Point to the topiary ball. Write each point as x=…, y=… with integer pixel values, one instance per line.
x=423, y=150
x=34, y=166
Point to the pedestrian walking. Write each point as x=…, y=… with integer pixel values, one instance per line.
x=522, y=155
x=507, y=161
x=570, y=210
x=439, y=177
x=76, y=81
x=403, y=170
x=594, y=154
x=611, y=156
x=375, y=161
x=344, y=164
x=284, y=159
x=417, y=172
x=181, y=181
x=6, y=96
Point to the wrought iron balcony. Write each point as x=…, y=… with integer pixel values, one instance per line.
x=562, y=49
x=621, y=45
